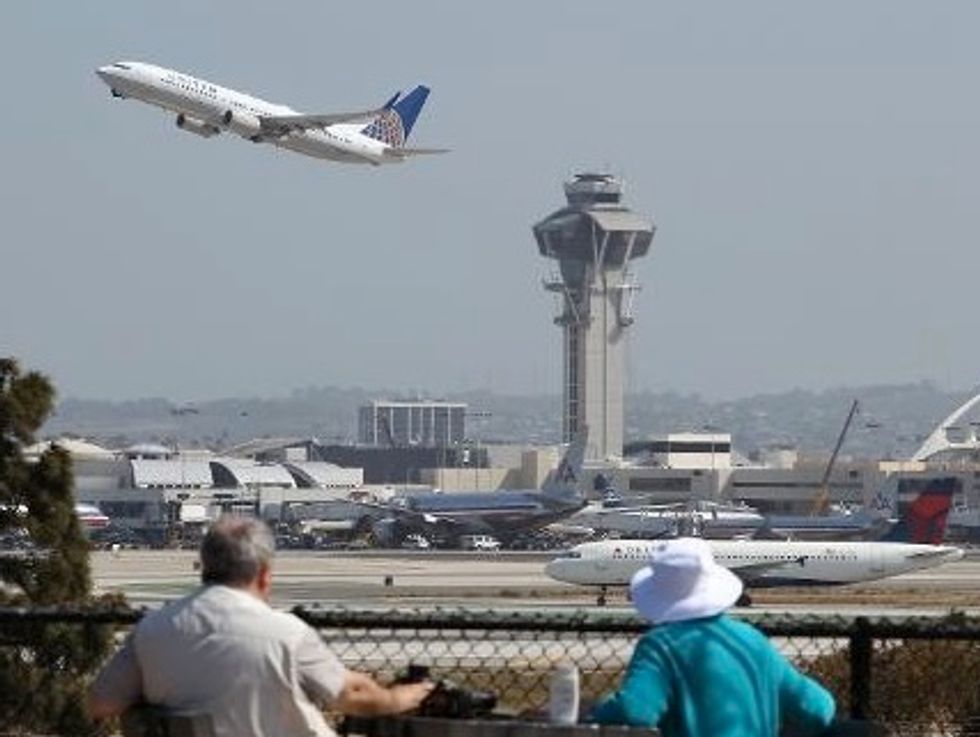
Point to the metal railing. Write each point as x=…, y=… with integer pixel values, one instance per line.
x=915, y=675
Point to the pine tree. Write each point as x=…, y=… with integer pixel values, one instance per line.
x=43, y=676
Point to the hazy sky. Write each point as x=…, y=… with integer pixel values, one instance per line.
x=812, y=169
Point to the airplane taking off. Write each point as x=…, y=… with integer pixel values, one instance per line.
x=368, y=137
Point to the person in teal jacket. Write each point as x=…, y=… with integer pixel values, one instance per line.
x=700, y=673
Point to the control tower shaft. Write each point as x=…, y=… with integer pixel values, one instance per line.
x=594, y=239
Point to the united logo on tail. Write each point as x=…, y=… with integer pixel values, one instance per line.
x=394, y=124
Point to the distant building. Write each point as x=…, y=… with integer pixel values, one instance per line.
x=419, y=422
x=685, y=450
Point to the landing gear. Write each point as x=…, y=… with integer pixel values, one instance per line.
x=116, y=93
x=744, y=600
x=601, y=599
x=256, y=139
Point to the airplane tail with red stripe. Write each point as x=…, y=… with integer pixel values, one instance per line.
x=923, y=509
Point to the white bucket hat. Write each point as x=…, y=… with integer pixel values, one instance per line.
x=683, y=582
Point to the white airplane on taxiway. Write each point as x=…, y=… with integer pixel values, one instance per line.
x=759, y=563
x=375, y=136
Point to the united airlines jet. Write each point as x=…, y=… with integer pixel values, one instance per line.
x=367, y=137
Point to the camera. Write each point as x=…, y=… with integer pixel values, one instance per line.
x=448, y=699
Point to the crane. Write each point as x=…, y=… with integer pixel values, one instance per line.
x=821, y=502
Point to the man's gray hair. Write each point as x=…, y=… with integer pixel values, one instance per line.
x=235, y=549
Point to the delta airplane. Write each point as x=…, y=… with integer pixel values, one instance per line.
x=913, y=510
x=368, y=137
x=927, y=503
x=766, y=563
x=759, y=563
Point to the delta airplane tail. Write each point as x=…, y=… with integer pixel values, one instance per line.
x=394, y=123
x=923, y=519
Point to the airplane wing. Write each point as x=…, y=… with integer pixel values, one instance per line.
x=404, y=153
x=752, y=571
x=280, y=125
x=408, y=515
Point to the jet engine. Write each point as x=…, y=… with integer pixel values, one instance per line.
x=197, y=127
x=387, y=532
x=244, y=124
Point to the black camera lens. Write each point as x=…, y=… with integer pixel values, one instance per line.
x=416, y=673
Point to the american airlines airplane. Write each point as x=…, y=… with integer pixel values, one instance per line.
x=368, y=137
x=504, y=513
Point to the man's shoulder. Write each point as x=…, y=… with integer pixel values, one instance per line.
x=224, y=609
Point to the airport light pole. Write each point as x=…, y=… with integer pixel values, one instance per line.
x=481, y=415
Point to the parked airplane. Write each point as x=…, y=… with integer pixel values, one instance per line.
x=504, y=514
x=90, y=517
x=719, y=521
x=375, y=136
x=909, y=509
x=613, y=515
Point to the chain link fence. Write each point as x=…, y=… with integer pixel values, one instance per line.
x=918, y=676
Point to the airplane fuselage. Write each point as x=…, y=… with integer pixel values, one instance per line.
x=207, y=109
x=501, y=513
x=759, y=562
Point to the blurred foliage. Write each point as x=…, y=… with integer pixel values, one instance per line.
x=45, y=562
x=914, y=683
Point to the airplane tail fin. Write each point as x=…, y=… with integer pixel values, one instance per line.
x=564, y=482
x=922, y=519
x=394, y=124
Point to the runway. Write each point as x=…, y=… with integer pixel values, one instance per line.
x=481, y=580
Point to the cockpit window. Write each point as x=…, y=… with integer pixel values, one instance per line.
x=117, y=65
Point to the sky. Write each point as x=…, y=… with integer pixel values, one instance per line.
x=811, y=168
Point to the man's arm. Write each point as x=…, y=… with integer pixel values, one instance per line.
x=362, y=696
x=324, y=679
x=118, y=686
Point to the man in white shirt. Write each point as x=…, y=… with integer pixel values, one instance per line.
x=224, y=652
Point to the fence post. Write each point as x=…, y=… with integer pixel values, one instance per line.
x=861, y=669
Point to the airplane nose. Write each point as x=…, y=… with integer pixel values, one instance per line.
x=553, y=569
x=104, y=74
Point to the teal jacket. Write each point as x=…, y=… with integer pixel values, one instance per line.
x=714, y=677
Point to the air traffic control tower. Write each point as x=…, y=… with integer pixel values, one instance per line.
x=594, y=239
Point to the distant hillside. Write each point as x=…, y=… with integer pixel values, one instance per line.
x=892, y=422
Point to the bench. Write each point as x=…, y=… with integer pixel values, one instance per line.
x=147, y=720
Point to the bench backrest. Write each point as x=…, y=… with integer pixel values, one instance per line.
x=155, y=721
